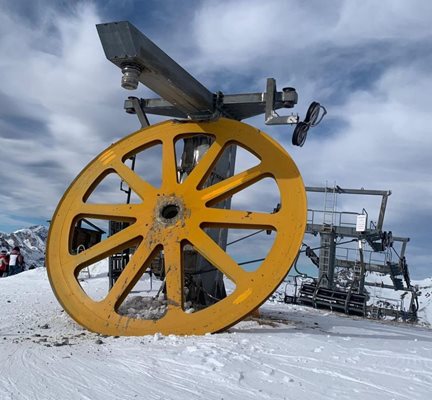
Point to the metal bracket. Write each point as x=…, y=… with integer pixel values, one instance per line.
x=289, y=99
x=133, y=105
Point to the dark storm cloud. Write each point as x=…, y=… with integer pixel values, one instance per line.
x=22, y=127
x=34, y=12
x=44, y=167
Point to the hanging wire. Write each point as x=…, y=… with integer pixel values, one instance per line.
x=251, y=261
x=276, y=209
x=301, y=251
x=396, y=252
x=262, y=259
x=245, y=237
x=302, y=274
x=323, y=247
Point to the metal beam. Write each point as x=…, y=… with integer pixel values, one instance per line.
x=380, y=222
x=340, y=190
x=384, y=269
x=236, y=106
x=139, y=58
x=339, y=230
x=383, y=193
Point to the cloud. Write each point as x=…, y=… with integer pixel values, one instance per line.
x=57, y=91
x=385, y=138
x=232, y=34
x=384, y=143
x=324, y=49
x=368, y=62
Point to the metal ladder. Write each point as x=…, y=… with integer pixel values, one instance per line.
x=324, y=258
x=330, y=201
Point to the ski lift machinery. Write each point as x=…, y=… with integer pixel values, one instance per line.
x=181, y=214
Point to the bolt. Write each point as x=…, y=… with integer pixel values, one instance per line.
x=130, y=77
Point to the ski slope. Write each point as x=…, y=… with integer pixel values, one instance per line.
x=290, y=352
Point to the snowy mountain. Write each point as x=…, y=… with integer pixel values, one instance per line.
x=31, y=241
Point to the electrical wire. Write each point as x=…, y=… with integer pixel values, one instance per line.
x=251, y=261
x=245, y=237
x=303, y=275
x=396, y=252
x=324, y=247
x=262, y=259
x=301, y=251
x=322, y=115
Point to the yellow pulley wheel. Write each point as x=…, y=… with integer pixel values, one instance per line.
x=149, y=231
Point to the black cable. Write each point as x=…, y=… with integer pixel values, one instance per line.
x=301, y=251
x=245, y=237
x=312, y=113
x=322, y=116
x=396, y=252
x=322, y=247
x=251, y=261
x=262, y=259
x=300, y=134
x=303, y=275
x=255, y=233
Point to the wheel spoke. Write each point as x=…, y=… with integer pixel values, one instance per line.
x=120, y=212
x=130, y=275
x=107, y=247
x=169, y=165
x=239, y=219
x=226, y=188
x=142, y=188
x=217, y=257
x=173, y=274
x=201, y=170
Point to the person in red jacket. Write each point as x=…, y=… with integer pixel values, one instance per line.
x=4, y=263
x=16, y=261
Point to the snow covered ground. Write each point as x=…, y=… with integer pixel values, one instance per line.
x=290, y=352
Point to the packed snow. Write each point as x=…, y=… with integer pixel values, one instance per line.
x=289, y=352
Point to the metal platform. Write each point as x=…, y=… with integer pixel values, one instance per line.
x=338, y=300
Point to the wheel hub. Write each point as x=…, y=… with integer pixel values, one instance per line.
x=169, y=210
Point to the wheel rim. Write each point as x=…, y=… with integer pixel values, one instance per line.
x=168, y=216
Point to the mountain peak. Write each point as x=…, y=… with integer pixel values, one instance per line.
x=31, y=241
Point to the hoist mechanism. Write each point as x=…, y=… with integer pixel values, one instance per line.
x=182, y=222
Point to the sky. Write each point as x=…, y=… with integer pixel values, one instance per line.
x=368, y=62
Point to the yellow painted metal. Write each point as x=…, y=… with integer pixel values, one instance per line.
x=149, y=232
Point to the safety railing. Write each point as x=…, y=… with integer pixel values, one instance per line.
x=341, y=218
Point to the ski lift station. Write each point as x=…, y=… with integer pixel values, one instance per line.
x=201, y=217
